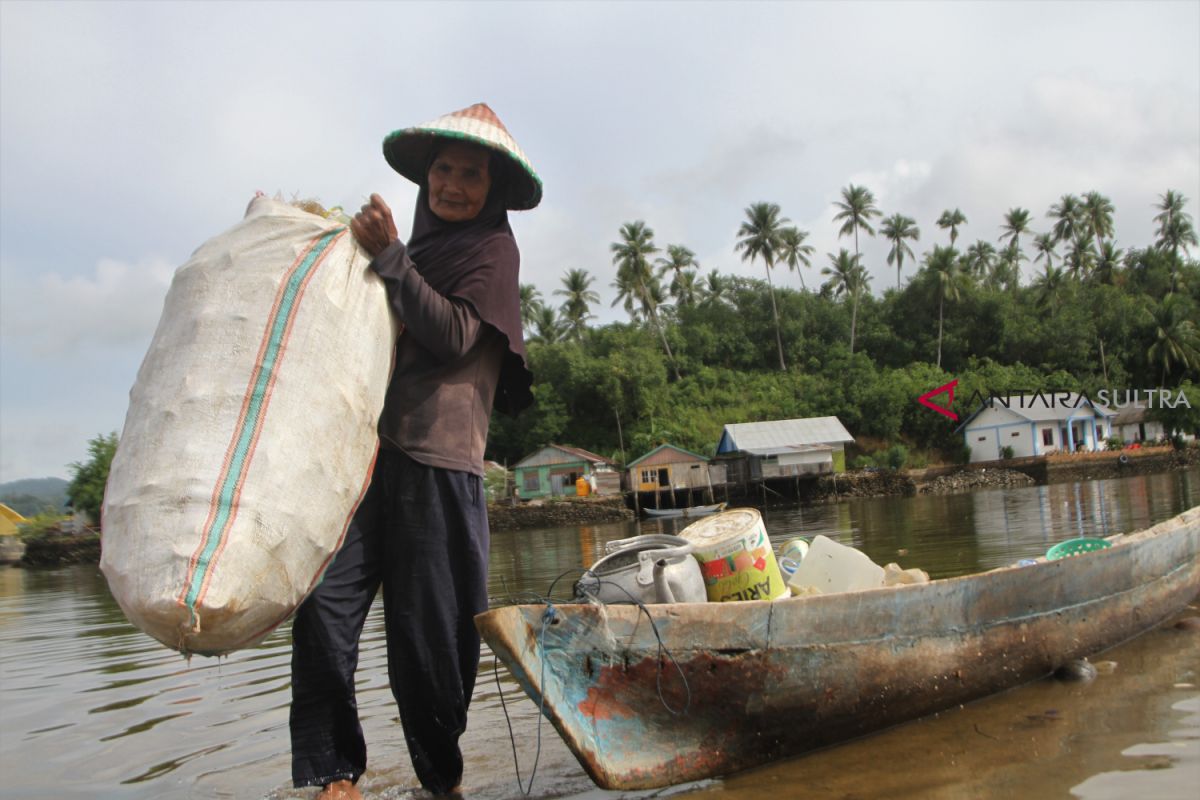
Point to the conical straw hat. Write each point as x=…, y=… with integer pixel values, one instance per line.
x=408, y=150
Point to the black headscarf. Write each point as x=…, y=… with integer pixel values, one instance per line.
x=477, y=260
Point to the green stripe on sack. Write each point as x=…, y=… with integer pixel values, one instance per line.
x=251, y=420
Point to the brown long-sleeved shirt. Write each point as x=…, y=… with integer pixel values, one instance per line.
x=446, y=369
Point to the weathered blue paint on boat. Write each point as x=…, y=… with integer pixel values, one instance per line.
x=768, y=680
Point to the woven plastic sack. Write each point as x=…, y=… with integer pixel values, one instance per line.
x=251, y=431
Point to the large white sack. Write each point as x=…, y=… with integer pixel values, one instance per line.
x=251, y=431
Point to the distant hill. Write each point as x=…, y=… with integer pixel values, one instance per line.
x=32, y=495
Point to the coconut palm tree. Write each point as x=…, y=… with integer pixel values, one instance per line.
x=1067, y=216
x=547, y=327
x=1176, y=338
x=576, y=308
x=1007, y=267
x=794, y=252
x=952, y=219
x=635, y=278
x=1050, y=286
x=896, y=229
x=628, y=294
x=1097, y=211
x=686, y=289
x=531, y=301
x=760, y=236
x=1016, y=222
x=979, y=259
x=678, y=259
x=943, y=264
x=1079, y=259
x=857, y=209
x=1108, y=261
x=1175, y=234
x=847, y=278
x=715, y=289
x=1044, y=244
x=1169, y=206
x=1175, y=229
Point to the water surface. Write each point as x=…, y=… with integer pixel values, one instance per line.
x=92, y=708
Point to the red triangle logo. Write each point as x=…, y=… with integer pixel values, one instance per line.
x=948, y=388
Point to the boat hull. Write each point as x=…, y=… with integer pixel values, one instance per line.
x=758, y=681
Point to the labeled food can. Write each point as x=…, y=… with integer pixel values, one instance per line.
x=736, y=558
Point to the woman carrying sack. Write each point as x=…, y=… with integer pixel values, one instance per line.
x=422, y=531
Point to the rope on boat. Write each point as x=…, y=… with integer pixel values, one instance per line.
x=596, y=583
x=548, y=618
x=662, y=649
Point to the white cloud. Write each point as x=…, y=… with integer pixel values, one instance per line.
x=132, y=132
x=55, y=315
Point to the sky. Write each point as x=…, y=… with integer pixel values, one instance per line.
x=130, y=133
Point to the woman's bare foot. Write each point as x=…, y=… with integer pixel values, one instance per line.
x=340, y=790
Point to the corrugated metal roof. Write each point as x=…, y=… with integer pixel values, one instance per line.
x=795, y=448
x=1130, y=415
x=1044, y=407
x=667, y=454
x=785, y=434
x=553, y=454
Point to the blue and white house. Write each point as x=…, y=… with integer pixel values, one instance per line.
x=1036, y=424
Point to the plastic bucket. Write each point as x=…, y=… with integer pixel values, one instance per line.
x=735, y=557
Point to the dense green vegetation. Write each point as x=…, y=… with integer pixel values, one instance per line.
x=85, y=493
x=702, y=350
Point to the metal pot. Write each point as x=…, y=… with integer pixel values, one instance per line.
x=655, y=568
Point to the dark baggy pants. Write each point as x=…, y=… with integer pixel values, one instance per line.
x=422, y=532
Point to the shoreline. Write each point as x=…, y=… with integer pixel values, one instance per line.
x=57, y=549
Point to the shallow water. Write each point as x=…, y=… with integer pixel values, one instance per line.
x=92, y=708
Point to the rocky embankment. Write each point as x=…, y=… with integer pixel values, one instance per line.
x=966, y=480
x=62, y=548
x=558, y=513
x=860, y=483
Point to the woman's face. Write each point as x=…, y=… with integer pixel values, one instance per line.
x=459, y=182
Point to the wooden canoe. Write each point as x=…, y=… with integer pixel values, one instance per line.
x=766, y=680
x=690, y=511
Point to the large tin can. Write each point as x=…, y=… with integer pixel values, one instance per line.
x=736, y=558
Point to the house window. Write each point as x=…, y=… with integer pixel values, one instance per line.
x=532, y=484
x=1048, y=436
x=650, y=475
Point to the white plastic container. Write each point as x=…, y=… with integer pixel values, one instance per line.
x=830, y=568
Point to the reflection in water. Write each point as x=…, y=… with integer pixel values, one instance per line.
x=103, y=711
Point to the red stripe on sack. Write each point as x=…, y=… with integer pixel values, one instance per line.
x=216, y=495
x=258, y=423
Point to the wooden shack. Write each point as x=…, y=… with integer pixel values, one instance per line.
x=675, y=476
